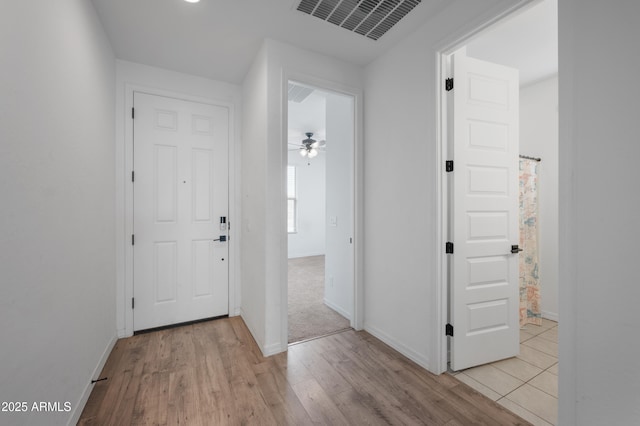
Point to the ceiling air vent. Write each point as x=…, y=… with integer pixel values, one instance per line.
x=298, y=93
x=370, y=18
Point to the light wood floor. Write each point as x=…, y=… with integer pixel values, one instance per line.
x=214, y=374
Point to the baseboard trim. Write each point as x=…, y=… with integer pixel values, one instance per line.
x=421, y=360
x=299, y=255
x=553, y=316
x=267, y=350
x=272, y=349
x=251, y=330
x=338, y=309
x=79, y=406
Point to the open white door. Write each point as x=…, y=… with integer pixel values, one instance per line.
x=180, y=199
x=484, y=212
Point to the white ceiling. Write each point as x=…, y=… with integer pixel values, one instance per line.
x=218, y=39
x=527, y=41
x=308, y=116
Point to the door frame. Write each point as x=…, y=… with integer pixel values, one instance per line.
x=357, y=320
x=440, y=301
x=234, y=217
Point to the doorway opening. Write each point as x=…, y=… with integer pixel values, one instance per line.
x=526, y=383
x=320, y=211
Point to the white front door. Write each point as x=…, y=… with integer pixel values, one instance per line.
x=180, y=195
x=484, y=213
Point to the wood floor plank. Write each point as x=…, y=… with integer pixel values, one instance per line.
x=377, y=398
x=422, y=401
x=213, y=373
x=319, y=406
x=282, y=400
x=294, y=369
x=330, y=380
x=359, y=409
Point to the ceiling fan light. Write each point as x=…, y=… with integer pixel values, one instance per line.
x=313, y=152
x=314, y=144
x=303, y=152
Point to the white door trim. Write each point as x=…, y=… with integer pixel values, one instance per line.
x=440, y=301
x=357, y=321
x=125, y=240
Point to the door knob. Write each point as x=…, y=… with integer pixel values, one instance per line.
x=515, y=249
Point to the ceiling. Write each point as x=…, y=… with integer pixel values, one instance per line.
x=219, y=39
x=528, y=41
x=308, y=116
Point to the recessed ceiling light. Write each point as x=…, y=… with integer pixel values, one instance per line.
x=192, y=1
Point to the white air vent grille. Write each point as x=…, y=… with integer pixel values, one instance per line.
x=298, y=93
x=370, y=18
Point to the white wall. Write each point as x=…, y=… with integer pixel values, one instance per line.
x=57, y=231
x=539, y=138
x=309, y=240
x=598, y=198
x=254, y=184
x=308, y=116
x=130, y=76
x=264, y=178
x=401, y=184
x=339, y=285
x=599, y=202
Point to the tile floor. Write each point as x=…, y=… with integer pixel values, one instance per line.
x=527, y=384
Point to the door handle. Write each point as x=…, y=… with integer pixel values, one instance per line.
x=515, y=249
x=222, y=238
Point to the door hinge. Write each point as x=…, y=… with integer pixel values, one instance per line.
x=448, y=330
x=133, y=113
x=133, y=303
x=449, y=165
x=133, y=239
x=448, y=248
x=448, y=84
x=133, y=176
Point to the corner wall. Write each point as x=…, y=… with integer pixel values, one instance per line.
x=253, y=244
x=57, y=187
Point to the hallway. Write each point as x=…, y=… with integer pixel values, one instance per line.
x=214, y=373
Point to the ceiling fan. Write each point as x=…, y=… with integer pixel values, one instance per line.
x=309, y=147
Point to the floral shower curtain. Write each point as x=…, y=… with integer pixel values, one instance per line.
x=529, y=279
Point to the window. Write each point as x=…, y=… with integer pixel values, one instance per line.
x=292, y=215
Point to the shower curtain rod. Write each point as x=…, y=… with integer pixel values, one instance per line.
x=531, y=158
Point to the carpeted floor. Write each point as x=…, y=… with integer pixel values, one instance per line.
x=308, y=315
